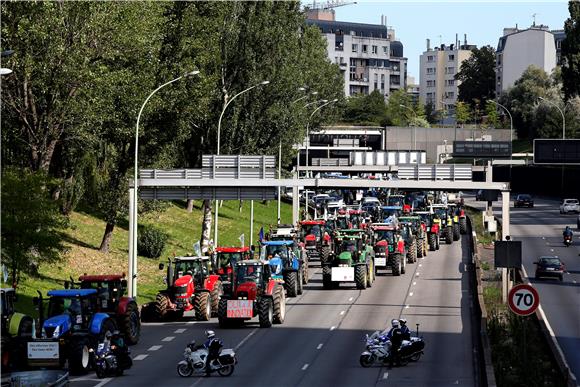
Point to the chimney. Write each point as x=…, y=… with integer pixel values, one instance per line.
x=442, y=47
x=456, y=40
x=465, y=39
x=428, y=45
x=382, y=20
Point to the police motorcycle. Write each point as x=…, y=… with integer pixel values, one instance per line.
x=379, y=350
x=194, y=362
x=112, y=356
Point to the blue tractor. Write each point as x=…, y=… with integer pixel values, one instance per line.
x=71, y=330
x=286, y=263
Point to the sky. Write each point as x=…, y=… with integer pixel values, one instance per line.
x=483, y=22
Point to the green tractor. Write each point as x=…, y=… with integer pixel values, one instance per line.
x=353, y=260
x=418, y=229
x=16, y=329
x=441, y=215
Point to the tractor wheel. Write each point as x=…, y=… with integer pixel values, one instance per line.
x=449, y=235
x=360, y=276
x=265, y=312
x=456, y=232
x=438, y=242
x=131, y=324
x=396, y=265
x=326, y=277
x=305, y=273
x=325, y=256
x=79, y=356
x=279, y=305
x=300, y=281
x=403, y=263
x=420, y=248
x=370, y=271
x=161, y=306
x=291, y=283
x=412, y=254
x=223, y=313
x=216, y=294
x=425, y=246
x=25, y=327
x=463, y=225
x=432, y=242
x=202, y=306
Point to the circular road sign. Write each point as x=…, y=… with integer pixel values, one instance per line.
x=523, y=299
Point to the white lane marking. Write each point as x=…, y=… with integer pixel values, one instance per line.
x=332, y=328
x=543, y=237
x=574, y=281
x=411, y=294
x=305, y=366
x=191, y=322
x=168, y=338
x=155, y=348
x=140, y=357
x=406, y=306
x=417, y=274
x=385, y=375
x=414, y=283
x=420, y=264
x=319, y=346
x=252, y=333
x=552, y=250
x=180, y=330
x=350, y=299
x=342, y=312
x=105, y=381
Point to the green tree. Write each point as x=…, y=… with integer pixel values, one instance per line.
x=571, y=52
x=430, y=113
x=462, y=113
x=31, y=222
x=477, y=76
x=397, y=114
x=365, y=109
x=492, y=117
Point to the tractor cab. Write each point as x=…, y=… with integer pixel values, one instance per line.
x=7, y=305
x=69, y=311
x=384, y=237
x=284, y=232
x=390, y=213
x=226, y=257
x=251, y=279
x=342, y=221
x=184, y=275
x=396, y=200
x=311, y=231
x=356, y=218
x=110, y=289
x=348, y=244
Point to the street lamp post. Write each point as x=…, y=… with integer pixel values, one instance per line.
x=326, y=102
x=511, y=119
x=561, y=112
x=132, y=280
x=215, y=236
x=414, y=130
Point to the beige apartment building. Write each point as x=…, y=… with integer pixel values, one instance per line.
x=438, y=67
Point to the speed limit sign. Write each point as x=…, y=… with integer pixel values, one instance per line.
x=523, y=299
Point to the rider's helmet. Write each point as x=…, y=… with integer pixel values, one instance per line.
x=210, y=334
x=108, y=335
x=395, y=323
x=403, y=321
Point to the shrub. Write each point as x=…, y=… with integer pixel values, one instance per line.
x=150, y=242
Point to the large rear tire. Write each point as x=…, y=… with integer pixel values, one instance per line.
x=420, y=248
x=223, y=313
x=360, y=276
x=396, y=268
x=300, y=281
x=325, y=254
x=131, y=324
x=412, y=254
x=432, y=242
x=291, y=283
x=463, y=225
x=449, y=235
x=279, y=300
x=79, y=356
x=265, y=312
x=202, y=306
x=216, y=294
x=403, y=263
x=456, y=232
x=161, y=306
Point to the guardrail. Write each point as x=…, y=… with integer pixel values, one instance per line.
x=486, y=378
x=435, y=172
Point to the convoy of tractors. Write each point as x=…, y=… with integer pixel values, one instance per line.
x=353, y=245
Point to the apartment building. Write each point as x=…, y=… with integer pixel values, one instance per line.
x=518, y=49
x=369, y=55
x=438, y=67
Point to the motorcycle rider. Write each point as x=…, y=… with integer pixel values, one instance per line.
x=395, y=335
x=567, y=232
x=213, y=346
x=406, y=332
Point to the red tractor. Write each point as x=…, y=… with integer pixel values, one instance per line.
x=225, y=258
x=389, y=248
x=190, y=286
x=253, y=293
x=316, y=239
x=112, y=300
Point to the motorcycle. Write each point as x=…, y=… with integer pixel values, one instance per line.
x=379, y=351
x=567, y=240
x=111, y=360
x=195, y=358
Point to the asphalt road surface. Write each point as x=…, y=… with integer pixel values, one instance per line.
x=540, y=230
x=320, y=342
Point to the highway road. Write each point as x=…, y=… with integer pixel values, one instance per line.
x=540, y=230
x=321, y=340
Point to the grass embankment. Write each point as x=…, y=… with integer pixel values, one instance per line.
x=520, y=354
x=84, y=236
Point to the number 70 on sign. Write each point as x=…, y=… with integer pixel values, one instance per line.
x=523, y=299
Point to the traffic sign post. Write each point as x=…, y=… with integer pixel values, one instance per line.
x=523, y=300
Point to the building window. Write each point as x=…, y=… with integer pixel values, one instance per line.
x=430, y=58
x=382, y=81
x=430, y=83
x=354, y=47
x=449, y=70
x=450, y=82
x=374, y=49
x=365, y=48
x=430, y=70
x=451, y=57
x=558, y=44
x=386, y=50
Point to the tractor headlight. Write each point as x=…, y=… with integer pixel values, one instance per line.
x=56, y=332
